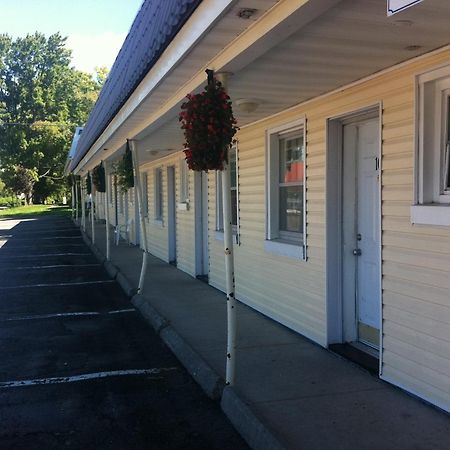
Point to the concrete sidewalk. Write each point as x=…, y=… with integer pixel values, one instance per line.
x=289, y=392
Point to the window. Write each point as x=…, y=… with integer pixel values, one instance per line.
x=286, y=189
x=234, y=183
x=432, y=205
x=184, y=182
x=158, y=195
x=145, y=194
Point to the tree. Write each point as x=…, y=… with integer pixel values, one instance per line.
x=42, y=100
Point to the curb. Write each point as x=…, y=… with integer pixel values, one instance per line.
x=149, y=313
x=244, y=420
x=111, y=269
x=207, y=378
x=202, y=373
x=125, y=284
x=241, y=416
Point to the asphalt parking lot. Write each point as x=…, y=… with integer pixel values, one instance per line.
x=79, y=368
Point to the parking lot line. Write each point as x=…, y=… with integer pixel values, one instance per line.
x=75, y=283
x=84, y=377
x=71, y=314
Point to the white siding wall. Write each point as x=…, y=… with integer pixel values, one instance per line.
x=415, y=259
x=185, y=224
x=157, y=232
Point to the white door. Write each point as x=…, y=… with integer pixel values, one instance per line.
x=361, y=217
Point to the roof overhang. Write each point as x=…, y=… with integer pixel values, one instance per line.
x=293, y=51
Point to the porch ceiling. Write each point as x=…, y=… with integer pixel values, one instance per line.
x=349, y=41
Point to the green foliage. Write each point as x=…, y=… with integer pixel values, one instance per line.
x=35, y=211
x=10, y=201
x=124, y=171
x=98, y=177
x=42, y=99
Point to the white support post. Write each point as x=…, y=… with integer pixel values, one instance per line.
x=229, y=263
x=77, y=202
x=83, y=204
x=73, y=200
x=92, y=210
x=107, y=194
x=137, y=185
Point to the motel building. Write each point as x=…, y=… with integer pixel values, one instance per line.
x=340, y=170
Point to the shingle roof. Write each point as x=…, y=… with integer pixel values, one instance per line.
x=154, y=27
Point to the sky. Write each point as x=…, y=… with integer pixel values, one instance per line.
x=95, y=29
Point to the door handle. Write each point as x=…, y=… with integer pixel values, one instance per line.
x=357, y=252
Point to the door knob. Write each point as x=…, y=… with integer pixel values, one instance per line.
x=357, y=252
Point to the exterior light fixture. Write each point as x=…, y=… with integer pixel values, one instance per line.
x=247, y=105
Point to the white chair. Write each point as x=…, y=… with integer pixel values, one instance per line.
x=123, y=228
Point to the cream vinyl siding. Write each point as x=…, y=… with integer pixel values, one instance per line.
x=157, y=233
x=415, y=258
x=185, y=223
x=99, y=198
x=290, y=290
x=157, y=242
x=111, y=205
x=131, y=214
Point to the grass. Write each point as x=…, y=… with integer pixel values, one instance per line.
x=35, y=211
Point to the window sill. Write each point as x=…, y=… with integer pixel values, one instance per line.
x=280, y=248
x=431, y=214
x=219, y=237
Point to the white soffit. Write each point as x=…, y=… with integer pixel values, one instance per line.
x=275, y=19
x=212, y=26
x=344, y=43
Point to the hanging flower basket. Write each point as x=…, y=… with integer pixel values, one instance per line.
x=98, y=177
x=209, y=126
x=124, y=171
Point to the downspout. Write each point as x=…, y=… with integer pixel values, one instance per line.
x=229, y=261
x=107, y=195
x=137, y=185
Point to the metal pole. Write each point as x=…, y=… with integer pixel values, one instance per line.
x=107, y=194
x=83, y=204
x=137, y=185
x=229, y=263
x=92, y=209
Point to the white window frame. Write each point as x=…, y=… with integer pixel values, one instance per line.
x=158, y=200
x=145, y=194
x=183, y=203
x=282, y=243
x=219, y=200
x=432, y=198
